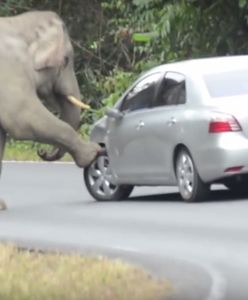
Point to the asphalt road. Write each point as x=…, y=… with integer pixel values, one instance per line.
x=202, y=248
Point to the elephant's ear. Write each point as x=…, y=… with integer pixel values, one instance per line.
x=48, y=49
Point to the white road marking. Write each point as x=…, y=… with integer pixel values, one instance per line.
x=37, y=162
x=218, y=286
x=125, y=249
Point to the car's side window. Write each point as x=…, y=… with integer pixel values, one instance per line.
x=142, y=94
x=172, y=90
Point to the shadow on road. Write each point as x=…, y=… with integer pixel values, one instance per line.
x=216, y=195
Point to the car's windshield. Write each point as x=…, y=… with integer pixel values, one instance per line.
x=226, y=84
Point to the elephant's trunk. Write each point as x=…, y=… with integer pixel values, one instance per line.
x=66, y=91
x=70, y=113
x=55, y=154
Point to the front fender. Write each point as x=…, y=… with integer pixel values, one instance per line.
x=98, y=131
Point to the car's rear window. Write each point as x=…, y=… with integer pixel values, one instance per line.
x=227, y=84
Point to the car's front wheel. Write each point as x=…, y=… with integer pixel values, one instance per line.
x=100, y=182
x=190, y=185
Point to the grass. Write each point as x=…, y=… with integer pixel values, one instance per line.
x=28, y=275
x=25, y=151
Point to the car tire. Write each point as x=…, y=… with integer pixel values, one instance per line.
x=191, y=187
x=100, y=183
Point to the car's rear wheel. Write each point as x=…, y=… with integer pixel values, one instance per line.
x=100, y=182
x=190, y=185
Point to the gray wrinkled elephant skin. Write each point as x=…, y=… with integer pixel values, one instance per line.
x=36, y=67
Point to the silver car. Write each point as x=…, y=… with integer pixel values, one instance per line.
x=182, y=124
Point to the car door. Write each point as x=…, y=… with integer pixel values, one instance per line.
x=167, y=123
x=126, y=139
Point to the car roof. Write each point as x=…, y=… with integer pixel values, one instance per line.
x=205, y=65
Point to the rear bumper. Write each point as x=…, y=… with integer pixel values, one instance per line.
x=227, y=151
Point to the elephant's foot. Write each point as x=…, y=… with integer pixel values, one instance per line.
x=87, y=154
x=3, y=205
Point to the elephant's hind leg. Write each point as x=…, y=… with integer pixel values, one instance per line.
x=2, y=146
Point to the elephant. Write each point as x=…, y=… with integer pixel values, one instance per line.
x=37, y=68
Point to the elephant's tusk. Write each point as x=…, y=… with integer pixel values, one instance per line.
x=78, y=103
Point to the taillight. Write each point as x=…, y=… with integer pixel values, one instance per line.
x=236, y=169
x=223, y=123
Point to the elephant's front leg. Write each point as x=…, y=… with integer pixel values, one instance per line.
x=2, y=146
x=38, y=124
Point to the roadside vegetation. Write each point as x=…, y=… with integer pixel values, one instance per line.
x=130, y=36
x=25, y=151
x=28, y=275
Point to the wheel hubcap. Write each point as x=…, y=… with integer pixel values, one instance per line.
x=185, y=175
x=100, y=177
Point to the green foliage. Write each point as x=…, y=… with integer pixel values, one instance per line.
x=111, y=87
x=184, y=28
x=114, y=85
x=13, y=7
x=243, y=3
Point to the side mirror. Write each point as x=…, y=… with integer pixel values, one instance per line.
x=114, y=113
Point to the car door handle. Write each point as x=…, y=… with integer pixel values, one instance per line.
x=172, y=121
x=140, y=125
